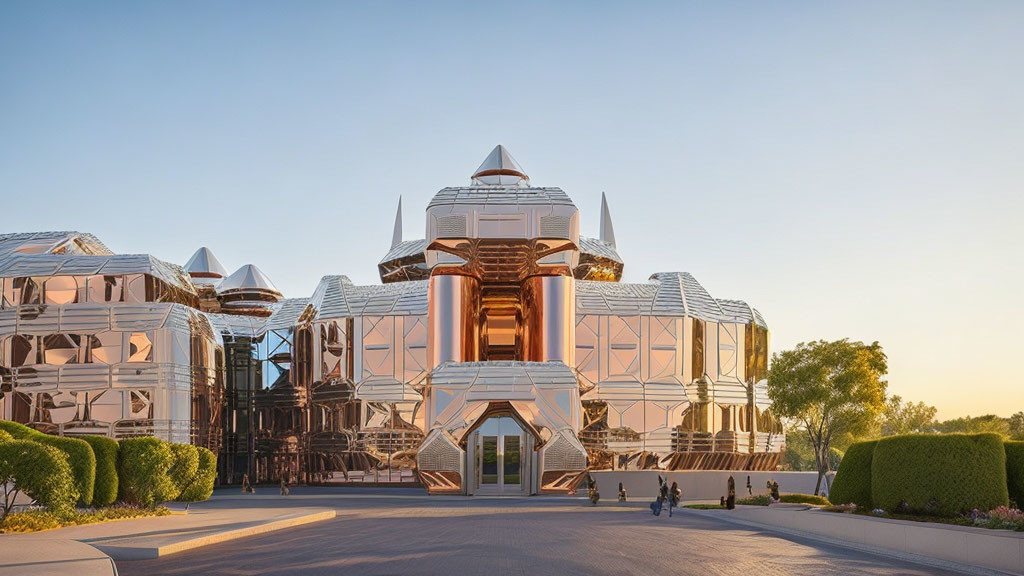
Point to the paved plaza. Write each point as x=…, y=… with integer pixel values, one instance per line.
x=396, y=531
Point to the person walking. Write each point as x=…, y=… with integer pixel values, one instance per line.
x=246, y=485
x=675, y=495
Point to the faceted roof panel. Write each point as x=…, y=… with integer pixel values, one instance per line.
x=286, y=313
x=742, y=312
x=83, y=265
x=66, y=242
x=338, y=297
x=405, y=249
x=237, y=326
x=504, y=195
x=504, y=373
x=599, y=248
x=669, y=294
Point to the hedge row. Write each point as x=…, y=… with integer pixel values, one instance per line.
x=852, y=483
x=105, y=488
x=1015, y=471
x=153, y=471
x=40, y=471
x=940, y=474
x=98, y=471
x=78, y=452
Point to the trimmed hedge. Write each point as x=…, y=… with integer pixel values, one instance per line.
x=81, y=458
x=105, y=489
x=939, y=474
x=18, y=431
x=1015, y=471
x=184, y=468
x=852, y=484
x=200, y=487
x=40, y=471
x=143, y=465
x=79, y=455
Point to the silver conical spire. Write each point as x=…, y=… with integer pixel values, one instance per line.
x=499, y=168
x=607, y=232
x=396, y=236
x=203, y=264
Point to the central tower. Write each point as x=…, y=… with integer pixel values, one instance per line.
x=501, y=255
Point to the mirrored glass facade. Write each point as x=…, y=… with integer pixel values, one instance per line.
x=501, y=353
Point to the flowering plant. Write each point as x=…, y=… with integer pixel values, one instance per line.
x=1003, y=518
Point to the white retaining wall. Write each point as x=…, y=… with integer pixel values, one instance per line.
x=701, y=484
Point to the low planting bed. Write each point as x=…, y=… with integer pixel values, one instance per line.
x=41, y=519
x=57, y=473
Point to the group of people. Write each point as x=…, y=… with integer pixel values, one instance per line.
x=672, y=495
x=248, y=488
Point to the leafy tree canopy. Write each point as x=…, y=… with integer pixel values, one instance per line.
x=907, y=418
x=829, y=389
x=976, y=425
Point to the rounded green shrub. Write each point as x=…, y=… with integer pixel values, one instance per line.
x=40, y=471
x=200, y=488
x=105, y=489
x=852, y=484
x=18, y=431
x=941, y=474
x=142, y=465
x=81, y=458
x=1015, y=471
x=185, y=466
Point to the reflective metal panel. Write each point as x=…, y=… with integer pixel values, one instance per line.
x=549, y=310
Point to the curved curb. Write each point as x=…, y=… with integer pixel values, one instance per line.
x=146, y=553
x=55, y=557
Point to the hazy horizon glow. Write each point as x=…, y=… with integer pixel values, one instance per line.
x=851, y=170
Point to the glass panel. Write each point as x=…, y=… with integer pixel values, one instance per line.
x=104, y=288
x=105, y=347
x=61, y=349
x=512, y=460
x=489, y=459
x=140, y=348
x=61, y=290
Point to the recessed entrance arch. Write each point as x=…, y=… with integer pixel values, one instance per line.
x=500, y=456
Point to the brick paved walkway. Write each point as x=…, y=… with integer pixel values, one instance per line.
x=404, y=532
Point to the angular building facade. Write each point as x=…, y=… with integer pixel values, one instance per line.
x=500, y=355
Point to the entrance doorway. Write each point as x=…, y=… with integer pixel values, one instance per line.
x=500, y=457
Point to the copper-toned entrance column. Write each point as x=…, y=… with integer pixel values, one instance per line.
x=549, y=313
x=453, y=319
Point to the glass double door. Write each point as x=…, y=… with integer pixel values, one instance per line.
x=499, y=456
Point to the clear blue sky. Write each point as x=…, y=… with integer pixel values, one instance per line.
x=851, y=169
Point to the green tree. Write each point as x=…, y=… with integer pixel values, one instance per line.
x=1017, y=426
x=829, y=389
x=907, y=418
x=989, y=423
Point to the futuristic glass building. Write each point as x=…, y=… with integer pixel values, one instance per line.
x=500, y=354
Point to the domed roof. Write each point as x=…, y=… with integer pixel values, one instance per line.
x=248, y=278
x=499, y=168
x=203, y=264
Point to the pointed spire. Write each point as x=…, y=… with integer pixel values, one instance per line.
x=607, y=232
x=248, y=278
x=499, y=168
x=203, y=264
x=396, y=236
